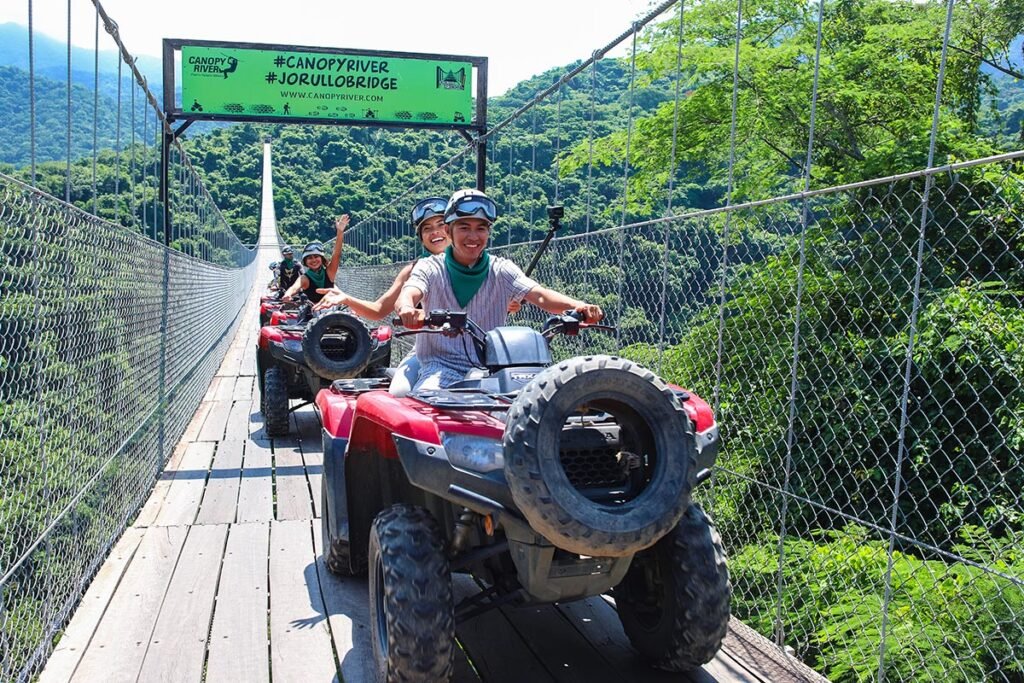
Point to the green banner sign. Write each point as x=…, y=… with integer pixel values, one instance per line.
x=265, y=83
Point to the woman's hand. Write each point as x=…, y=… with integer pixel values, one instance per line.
x=341, y=223
x=332, y=297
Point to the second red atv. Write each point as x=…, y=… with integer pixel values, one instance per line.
x=547, y=482
x=300, y=352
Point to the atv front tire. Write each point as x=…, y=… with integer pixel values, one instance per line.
x=674, y=600
x=654, y=428
x=336, y=346
x=274, y=402
x=412, y=613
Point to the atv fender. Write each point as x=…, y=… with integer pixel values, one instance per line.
x=288, y=350
x=336, y=412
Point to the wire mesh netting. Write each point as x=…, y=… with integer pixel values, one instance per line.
x=108, y=338
x=885, y=492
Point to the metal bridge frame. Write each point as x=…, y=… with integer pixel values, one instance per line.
x=475, y=132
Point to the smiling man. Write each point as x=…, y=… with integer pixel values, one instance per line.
x=466, y=278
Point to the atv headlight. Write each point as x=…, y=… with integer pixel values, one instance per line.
x=473, y=452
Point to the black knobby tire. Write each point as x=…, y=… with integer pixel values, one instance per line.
x=412, y=614
x=336, y=346
x=274, y=402
x=543, y=492
x=674, y=600
x=336, y=551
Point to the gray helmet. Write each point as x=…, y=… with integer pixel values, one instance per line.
x=312, y=249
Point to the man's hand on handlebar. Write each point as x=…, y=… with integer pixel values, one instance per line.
x=591, y=313
x=412, y=318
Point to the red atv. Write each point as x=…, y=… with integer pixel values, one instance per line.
x=546, y=482
x=300, y=352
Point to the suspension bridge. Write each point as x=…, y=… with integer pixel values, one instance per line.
x=857, y=326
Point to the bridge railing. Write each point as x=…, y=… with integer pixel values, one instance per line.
x=108, y=338
x=862, y=342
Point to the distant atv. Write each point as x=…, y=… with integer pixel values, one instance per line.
x=546, y=482
x=299, y=353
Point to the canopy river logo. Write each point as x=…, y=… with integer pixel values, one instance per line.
x=451, y=79
x=218, y=66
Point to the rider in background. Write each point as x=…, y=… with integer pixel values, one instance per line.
x=316, y=274
x=466, y=278
x=288, y=270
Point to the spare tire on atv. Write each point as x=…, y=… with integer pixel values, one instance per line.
x=612, y=515
x=336, y=346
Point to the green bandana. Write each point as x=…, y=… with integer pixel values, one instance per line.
x=287, y=265
x=466, y=281
x=317, y=277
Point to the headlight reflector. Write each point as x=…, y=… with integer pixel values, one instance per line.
x=473, y=452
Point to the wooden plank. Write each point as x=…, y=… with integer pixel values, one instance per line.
x=312, y=454
x=244, y=389
x=291, y=487
x=220, y=501
x=596, y=619
x=186, y=491
x=347, y=609
x=79, y=631
x=248, y=365
x=763, y=659
x=564, y=651
x=177, y=647
x=239, y=423
x=238, y=638
x=225, y=390
x=119, y=644
x=148, y=513
x=216, y=422
x=300, y=642
x=198, y=418
x=232, y=361
x=211, y=390
x=307, y=427
x=255, y=493
x=494, y=647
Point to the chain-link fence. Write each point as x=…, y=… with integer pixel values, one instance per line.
x=862, y=341
x=108, y=338
x=866, y=374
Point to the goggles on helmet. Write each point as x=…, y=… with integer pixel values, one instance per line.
x=472, y=206
x=427, y=208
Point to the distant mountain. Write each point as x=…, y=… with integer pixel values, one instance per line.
x=51, y=119
x=51, y=58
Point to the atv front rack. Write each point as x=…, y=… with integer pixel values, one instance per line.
x=463, y=399
x=359, y=385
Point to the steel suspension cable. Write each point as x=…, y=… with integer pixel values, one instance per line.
x=728, y=203
x=625, y=187
x=67, y=135
x=671, y=190
x=901, y=453
x=95, y=108
x=794, y=363
x=31, y=96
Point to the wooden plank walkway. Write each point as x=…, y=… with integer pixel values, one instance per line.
x=221, y=578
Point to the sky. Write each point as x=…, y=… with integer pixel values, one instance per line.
x=520, y=38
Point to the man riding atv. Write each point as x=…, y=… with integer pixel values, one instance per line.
x=428, y=222
x=288, y=270
x=466, y=278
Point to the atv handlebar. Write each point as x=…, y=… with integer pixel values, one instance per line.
x=454, y=323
